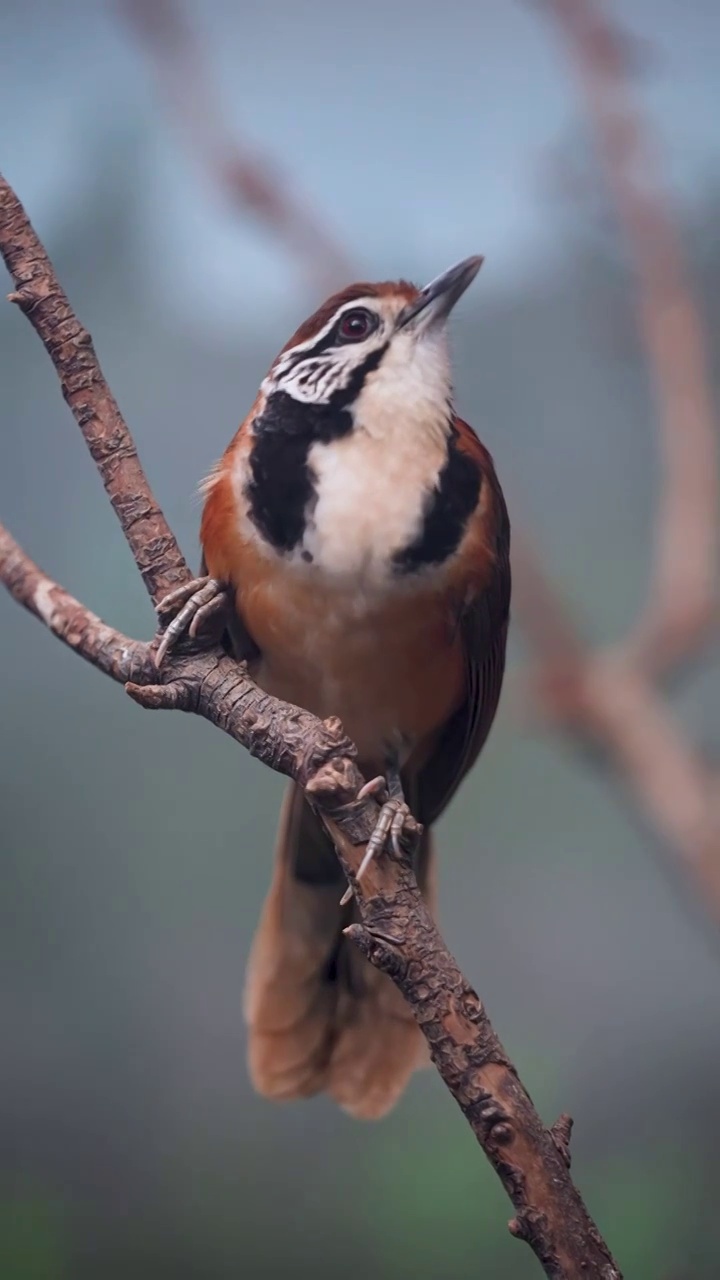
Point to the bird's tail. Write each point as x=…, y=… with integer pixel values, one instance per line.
x=320, y=1017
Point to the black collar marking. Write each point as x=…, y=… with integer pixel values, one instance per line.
x=281, y=492
x=448, y=507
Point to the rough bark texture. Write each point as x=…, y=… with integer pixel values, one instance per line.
x=400, y=937
x=397, y=933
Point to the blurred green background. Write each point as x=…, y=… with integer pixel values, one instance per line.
x=136, y=847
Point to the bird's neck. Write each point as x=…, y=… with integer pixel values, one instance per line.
x=365, y=503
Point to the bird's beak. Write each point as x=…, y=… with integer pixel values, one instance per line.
x=435, y=302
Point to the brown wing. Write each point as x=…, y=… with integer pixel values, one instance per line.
x=483, y=620
x=222, y=548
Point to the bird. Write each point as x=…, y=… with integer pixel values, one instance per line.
x=358, y=528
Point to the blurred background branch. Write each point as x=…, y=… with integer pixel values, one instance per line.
x=611, y=697
x=249, y=182
x=111, y=652
x=682, y=595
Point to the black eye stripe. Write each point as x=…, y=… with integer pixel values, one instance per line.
x=330, y=338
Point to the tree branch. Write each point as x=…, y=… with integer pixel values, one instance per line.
x=396, y=931
x=610, y=697
x=682, y=597
x=111, y=652
x=604, y=700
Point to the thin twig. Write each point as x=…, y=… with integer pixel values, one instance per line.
x=529, y=1160
x=81, y=630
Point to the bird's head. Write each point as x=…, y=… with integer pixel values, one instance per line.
x=375, y=351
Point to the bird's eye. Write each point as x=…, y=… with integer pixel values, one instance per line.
x=356, y=325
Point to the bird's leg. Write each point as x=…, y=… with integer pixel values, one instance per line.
x=189, y=609
x=396, y=822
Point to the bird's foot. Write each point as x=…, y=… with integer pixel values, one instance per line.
x=395, y=825
x=199, y=605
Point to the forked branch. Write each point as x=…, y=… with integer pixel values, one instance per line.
x=396, y=932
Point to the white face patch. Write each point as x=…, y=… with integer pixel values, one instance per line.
x=314, y=378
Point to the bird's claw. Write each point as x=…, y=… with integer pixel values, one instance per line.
x=395, y=824
x=375, y=787
x=187, y=610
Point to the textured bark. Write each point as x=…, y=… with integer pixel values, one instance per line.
x=396, y=931
x=108, y=650
x=400, y=937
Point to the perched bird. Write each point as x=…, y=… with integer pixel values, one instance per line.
x=360, y=528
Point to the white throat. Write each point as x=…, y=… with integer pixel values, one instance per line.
x=372, y=486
